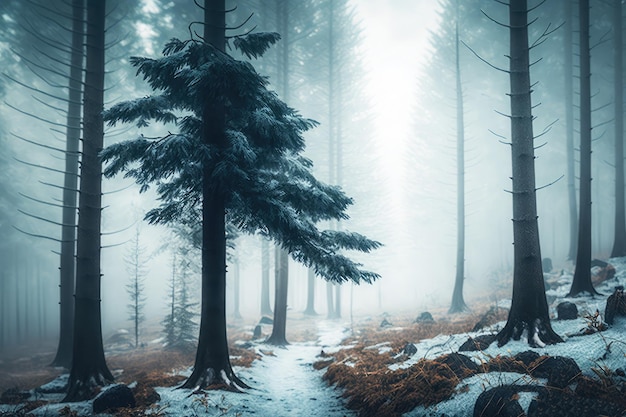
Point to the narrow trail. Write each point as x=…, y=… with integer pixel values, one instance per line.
x=291, y=386
x=284, y=384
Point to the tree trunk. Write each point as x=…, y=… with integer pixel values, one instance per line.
x=330, y=303
x=337, y=301
x=582, y=274
x=619, y=243
x=212, y=365
x=569, y=132
x=70, y=185
x=310, y=298
x=88, y=364
x=529, y=309
x=279, y=328
x=458, y=303
x=266, y=310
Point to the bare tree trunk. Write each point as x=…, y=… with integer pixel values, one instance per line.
x=212, y=365
x=279, y=328
x=330, y=301
x=310, y=299
x=569, y=132
x=582, y=274
x=266, y=309
x=70, y=185
x=458, y=303
x=529, y=309
x=88, y=364
x=619, y=243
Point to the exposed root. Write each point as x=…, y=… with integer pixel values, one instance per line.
x=212, y=379
x=539, y=333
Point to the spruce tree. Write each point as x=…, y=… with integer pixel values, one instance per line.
x=136, y=268
x=237, y=157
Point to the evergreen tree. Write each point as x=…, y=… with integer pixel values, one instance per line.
x=245, y=144
x=136, y=267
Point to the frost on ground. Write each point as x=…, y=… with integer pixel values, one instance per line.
x=284, y=384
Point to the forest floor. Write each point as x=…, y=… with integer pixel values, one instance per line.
x=383, y=365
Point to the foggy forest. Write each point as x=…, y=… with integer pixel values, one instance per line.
x=312, y=207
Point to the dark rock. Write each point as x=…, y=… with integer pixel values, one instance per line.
x=258, y=332
x=409, y=349
x=615, y=305
x=385, y=323
x=562, y=403
x=499, y=402
x=425, y=317
x=527, y=357
x=14, y=396
x=115, y=397
x=566, y=311
x=481, y=342
x=266, y=320
x=559, y=370
x=461, y=365
x=546, y=264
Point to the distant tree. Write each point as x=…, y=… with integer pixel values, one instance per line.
x=619, y=241
x=169, y=322
x=136, y=264
x=266, y=309
x=458, y=303
x=279, y=325
x=529, y=308
x=89, y=367
x=582, y=275
x=245, y=144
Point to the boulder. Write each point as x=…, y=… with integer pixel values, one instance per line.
x=385, y=323
x=560, y=371
x=615, y=305
x=117, y=396
x=266, y=320
x=424, y=317
x=409, y=349
x=462, y=366
x=258, y=332
x=499, y=402
x=566, y=311
x=481, y=342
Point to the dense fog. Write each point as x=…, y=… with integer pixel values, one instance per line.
x=386, y=135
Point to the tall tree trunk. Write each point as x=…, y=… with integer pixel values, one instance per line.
x=569, y=132
x=212, y=365
x=529, y=309
x=88, y=364
x=279, y=328
x=330, y=301
x=582, y=274
x=619, y=242
x=266, y=309
x=70, y=185
x=458, y=303
x=310, y=298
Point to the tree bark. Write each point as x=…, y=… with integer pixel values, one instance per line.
x=266, y=309
x=619, y=242
x=582, y=274
x=88, y=364
x=529, y=309
x=458, y=303
x=70, y=185
x=212, y=365
x=279, y=328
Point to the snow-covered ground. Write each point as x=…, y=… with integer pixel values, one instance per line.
x=284, y=382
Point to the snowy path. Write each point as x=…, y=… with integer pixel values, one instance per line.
x=284, y=385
